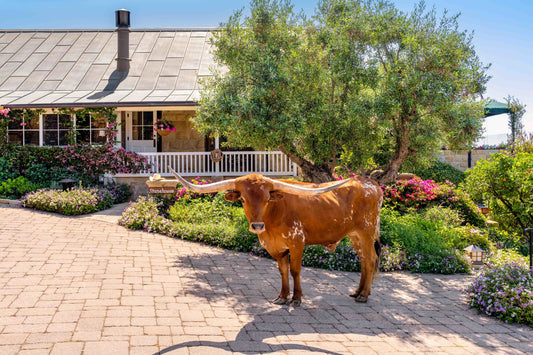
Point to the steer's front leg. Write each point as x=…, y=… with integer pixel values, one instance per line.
x=283, y=266
x=296, y=268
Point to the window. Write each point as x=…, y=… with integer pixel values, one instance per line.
x=56, y=129
x=142, y=125
x=24, y=131
x=90, y=130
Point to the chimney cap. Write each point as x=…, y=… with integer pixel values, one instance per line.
x=122, y=18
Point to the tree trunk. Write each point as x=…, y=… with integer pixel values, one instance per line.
x=316, y=173
x=390, y=172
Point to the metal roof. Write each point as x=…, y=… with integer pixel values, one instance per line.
x=55, y=68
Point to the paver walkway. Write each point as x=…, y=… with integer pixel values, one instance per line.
x=71, y=285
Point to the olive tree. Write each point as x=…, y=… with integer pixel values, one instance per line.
x=361, y=80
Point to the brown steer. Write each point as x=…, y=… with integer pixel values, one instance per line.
x=288, y=216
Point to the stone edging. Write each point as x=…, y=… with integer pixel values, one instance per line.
x=11, y=203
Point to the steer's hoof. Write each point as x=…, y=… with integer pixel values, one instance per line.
x=295, y=303
x=355, y=294
x=280, y=300
x=361, y=299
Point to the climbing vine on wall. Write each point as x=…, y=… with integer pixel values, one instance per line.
x=20, y=116
x=99, y=114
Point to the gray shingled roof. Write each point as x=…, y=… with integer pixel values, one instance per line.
x=52, y=68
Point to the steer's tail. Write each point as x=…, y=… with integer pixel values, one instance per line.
x=377, y=246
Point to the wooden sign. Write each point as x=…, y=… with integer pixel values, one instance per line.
x=162, y=190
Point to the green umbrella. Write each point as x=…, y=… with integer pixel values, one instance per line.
x=495, y=108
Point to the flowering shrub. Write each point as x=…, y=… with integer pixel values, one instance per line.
x=4, y=111
x=185, y=194
x=416, y=194
x=500, y=257
x=71, y=203
x=119, y=192
x=164, y=125
x=504, y=291
x=76, y=201
x=98, y=160
x=42, y=165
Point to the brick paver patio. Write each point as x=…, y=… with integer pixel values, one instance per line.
x=72, y=285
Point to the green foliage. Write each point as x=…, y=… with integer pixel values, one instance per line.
x=7, y=170
x=217, y=210
x=438, y=171
x=429, y=245
x=444, y=215
x=504, y=183
x=504, y=291
x=15, y=188
x=361, y=78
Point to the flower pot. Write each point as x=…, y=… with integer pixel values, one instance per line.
x=163, y=132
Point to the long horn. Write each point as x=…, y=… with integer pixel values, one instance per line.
x=295, y=189
x=204, y=189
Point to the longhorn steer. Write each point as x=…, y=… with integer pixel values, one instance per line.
x=288, y=216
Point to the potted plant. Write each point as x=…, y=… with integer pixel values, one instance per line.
x=164, y=127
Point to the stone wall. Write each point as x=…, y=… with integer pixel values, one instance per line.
x=186, y=138
x=459, y=158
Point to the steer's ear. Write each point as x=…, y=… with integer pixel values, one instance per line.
x=232, y=196
x=275, y=195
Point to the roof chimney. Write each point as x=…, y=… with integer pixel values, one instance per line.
x=122, y=20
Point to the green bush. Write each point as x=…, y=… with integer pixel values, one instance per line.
x=504, y=183
x=444, y=215
x=439, y=171
x=7, y=168
x=15, y=188
x=428, y=245
x=504, y=291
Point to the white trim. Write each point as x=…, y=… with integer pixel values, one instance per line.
x=41, y=130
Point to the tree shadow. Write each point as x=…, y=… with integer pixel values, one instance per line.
x=416, y=311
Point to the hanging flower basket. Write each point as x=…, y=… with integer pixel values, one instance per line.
x=163, y=132
x=163, y=127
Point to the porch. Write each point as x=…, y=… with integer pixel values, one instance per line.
x=193, y=164
x=232, y=163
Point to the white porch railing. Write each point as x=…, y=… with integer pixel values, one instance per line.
x=232, y=164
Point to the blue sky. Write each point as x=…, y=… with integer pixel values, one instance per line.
x=503, y=31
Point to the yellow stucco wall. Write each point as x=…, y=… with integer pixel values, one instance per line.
x=186, y=138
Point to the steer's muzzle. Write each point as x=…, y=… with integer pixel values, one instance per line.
x=257, y=227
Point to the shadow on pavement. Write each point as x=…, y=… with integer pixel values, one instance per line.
x=418, y=310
